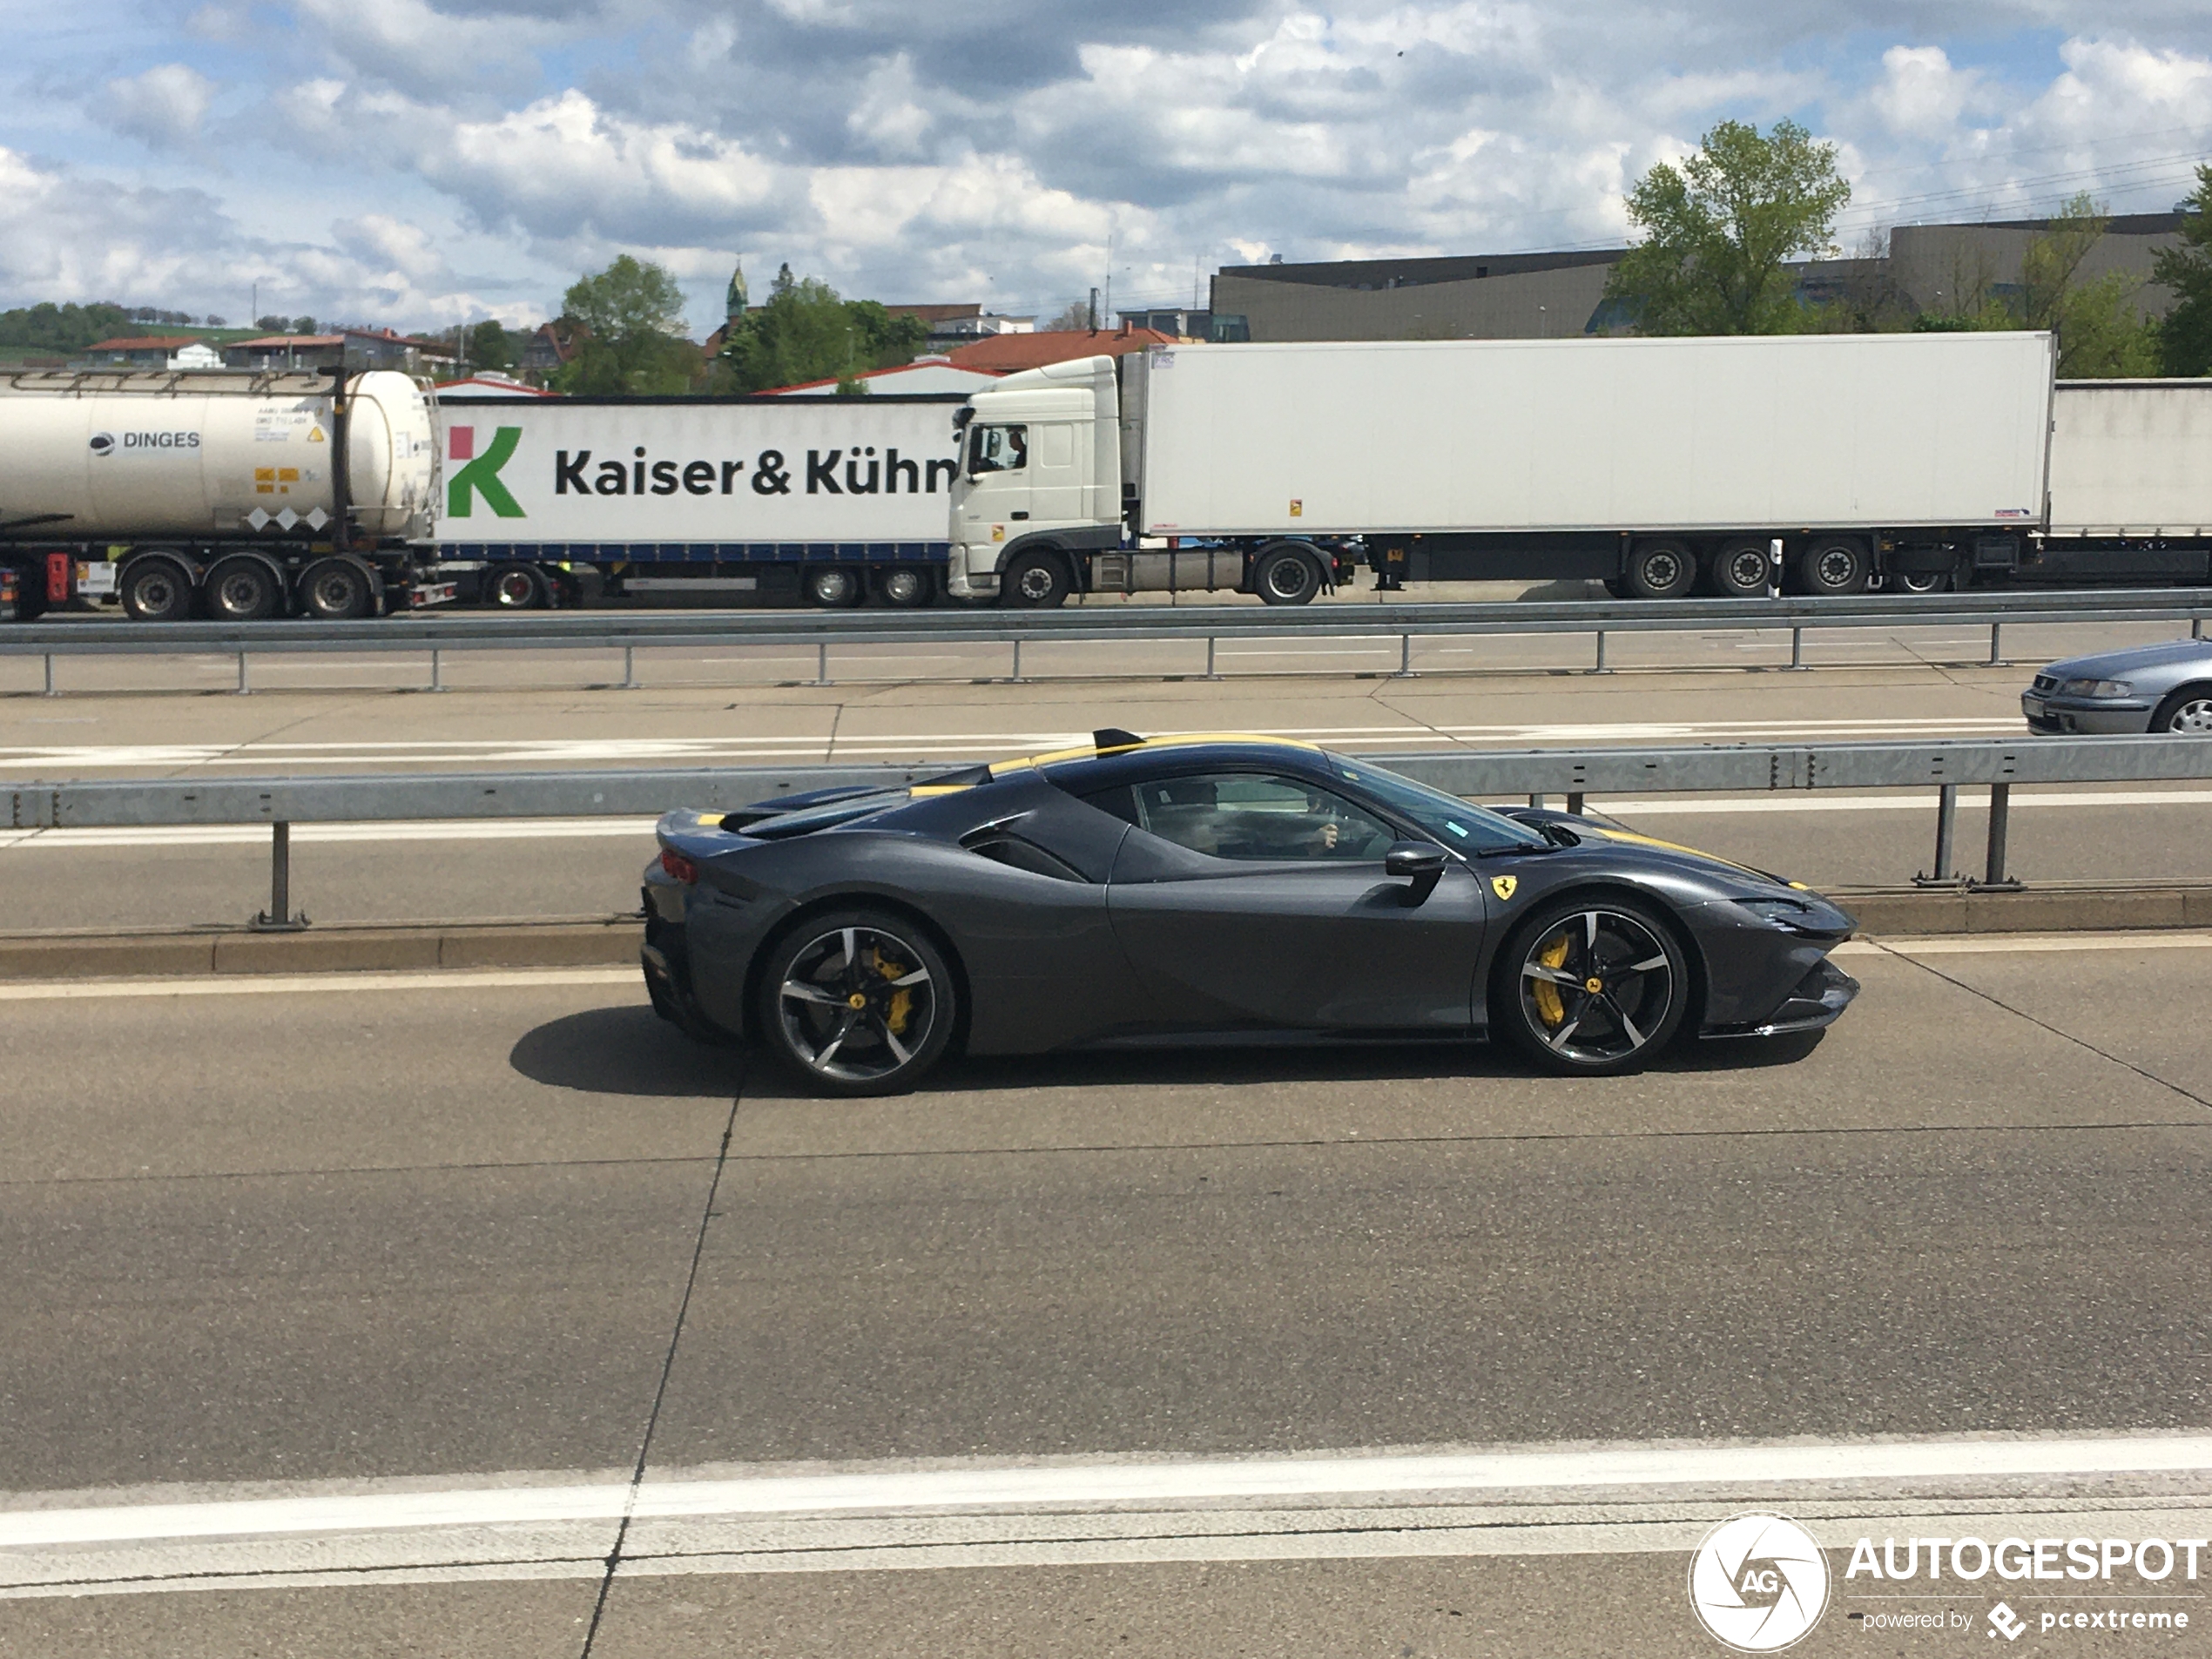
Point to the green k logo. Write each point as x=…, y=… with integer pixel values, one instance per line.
x=480, y=477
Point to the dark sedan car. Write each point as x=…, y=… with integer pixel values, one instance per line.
x=1196, y=889
x=2166, y=688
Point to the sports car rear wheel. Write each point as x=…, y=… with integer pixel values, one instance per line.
x=857, y=1002
x=1597, y=986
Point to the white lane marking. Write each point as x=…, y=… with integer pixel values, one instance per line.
x=1055, y=1484
x=2009, y=944
x=442, y=980
x=481, y=829
x=1920, y=800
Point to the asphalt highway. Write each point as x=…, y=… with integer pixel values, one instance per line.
x=474, y=1285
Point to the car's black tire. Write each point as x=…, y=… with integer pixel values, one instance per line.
x=337, y=591
x=2185, y=713
x=1659, y=567
x=1833, y=565
x=833, y=587
x=905, y=587
x=1738, y=569
x=157, y=590
x=1540, y=995
x=881, y=1044
x=1285, y=576
x=1036, y=581
x=242, y=589
x=514, y=586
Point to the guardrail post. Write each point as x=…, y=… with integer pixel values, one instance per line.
x=1404, y=658
x=1996, y=646
x=437, y=670
x=243, y=689
x=821, y=664
x=1947, y=825
x=2196, y=627
x=1797, y=647
x=1574, y=803
x=1599, y=668
x=1209, y=667
x=629, y=668
x=1536, y=803
x=1017, y=662
x=2000, y=813
x=279, y=917
x=51, y=691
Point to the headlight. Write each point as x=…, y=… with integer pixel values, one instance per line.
x=1787, y=915
x=2096, y=688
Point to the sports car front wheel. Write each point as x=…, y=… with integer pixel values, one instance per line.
x=857, y=1002
x=1591, y=986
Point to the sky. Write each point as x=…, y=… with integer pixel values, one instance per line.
x=426, y=162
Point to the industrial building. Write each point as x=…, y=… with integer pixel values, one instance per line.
x=1944, y=269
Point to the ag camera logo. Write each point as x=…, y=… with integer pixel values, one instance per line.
x=1758, y=1582
x=104, y=443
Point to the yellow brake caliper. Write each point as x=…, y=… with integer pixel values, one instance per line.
x=901, y=1002
x=1547, y=1003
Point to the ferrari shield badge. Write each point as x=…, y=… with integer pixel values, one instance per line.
x=1503, y=885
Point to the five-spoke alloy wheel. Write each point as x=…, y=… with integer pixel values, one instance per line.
x=858, y=1003
x=1592, y=986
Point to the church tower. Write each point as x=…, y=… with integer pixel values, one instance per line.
x=735, y=302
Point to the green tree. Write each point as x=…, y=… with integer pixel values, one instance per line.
x=65, y=328
x=2103, y=334
x=806, y=332
x=1717, y=232
x=2185, y=337
x=488, y=345
x=630, y=319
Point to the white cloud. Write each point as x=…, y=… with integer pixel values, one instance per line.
x=165, y=106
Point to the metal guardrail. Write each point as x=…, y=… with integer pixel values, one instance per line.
x=1535, y=773
x=435, y=634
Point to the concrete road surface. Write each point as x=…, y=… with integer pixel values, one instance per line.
x=387, y=1313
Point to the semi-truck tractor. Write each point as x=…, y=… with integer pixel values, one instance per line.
x=230, y=495
x=1821, y=464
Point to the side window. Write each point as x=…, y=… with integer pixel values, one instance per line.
x=997, y=449
x=1257, y=816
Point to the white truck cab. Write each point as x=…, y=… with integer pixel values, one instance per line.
x=1040, y=483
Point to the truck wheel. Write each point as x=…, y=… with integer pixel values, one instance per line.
x=1738, y=569
x=1661, y=568
x=156, y=590
x=1039, y=581
x=834, y=587
x=905, y=589
x=515, y=587
x=336, y=590
x=1287, y=576
x=242, y=590
x=1832, y=565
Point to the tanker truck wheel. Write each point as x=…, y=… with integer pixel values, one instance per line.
x=242, y=590
x=336, y=590
x=156, y=590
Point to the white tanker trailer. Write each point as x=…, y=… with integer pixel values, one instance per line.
x=231, y=495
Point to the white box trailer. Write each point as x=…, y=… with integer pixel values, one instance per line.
x=2131, y=483
x=1649, y=463
x=837, y=499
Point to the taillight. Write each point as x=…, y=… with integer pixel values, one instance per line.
x=679, y=867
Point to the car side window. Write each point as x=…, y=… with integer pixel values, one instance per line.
x=1256, y=816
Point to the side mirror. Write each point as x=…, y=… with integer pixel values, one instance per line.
x=1420, y=864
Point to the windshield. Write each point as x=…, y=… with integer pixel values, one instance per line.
x=1464, y=828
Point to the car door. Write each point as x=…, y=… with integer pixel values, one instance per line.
x=1259, y=900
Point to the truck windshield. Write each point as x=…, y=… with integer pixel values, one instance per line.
x=997, y=449
x=1454, y=823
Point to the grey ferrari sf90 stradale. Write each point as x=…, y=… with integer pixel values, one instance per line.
x=1194, y=889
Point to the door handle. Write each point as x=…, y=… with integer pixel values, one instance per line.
x=1022, y=514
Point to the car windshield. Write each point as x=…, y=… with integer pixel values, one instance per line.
x=1456, y=824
